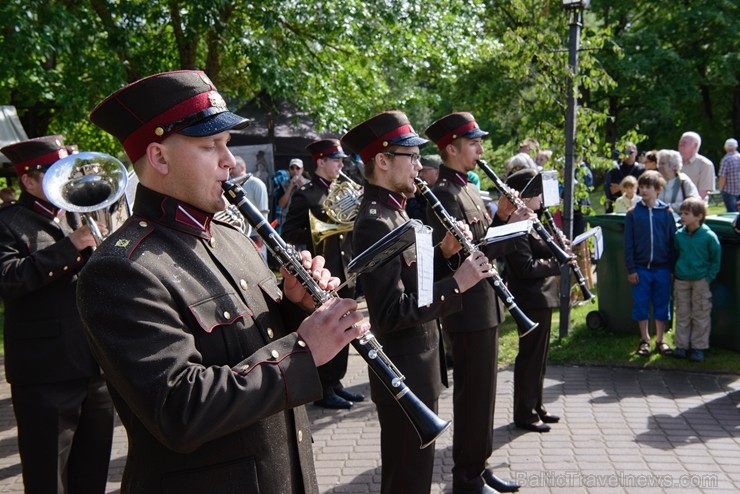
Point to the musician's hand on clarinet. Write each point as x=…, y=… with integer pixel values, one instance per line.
x=296, y=293
x=522, y=214
x=332, y=327
x=475, y=268
x=449, y=245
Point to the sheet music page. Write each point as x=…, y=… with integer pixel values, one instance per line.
x=550, y=191
x=507, y=231
x=424, y=266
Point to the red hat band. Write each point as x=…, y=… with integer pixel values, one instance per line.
x=455, y=133
x=39, y=162
x=157, y=129
x=381, y=142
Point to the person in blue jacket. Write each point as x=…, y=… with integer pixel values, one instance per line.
x=650, y=255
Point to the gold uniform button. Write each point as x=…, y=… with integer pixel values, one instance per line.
x=213, y=243
x=143, y=224
x=342, y=252
x=442, y=298
x=300, y=436
x=274, y=354
x=477, y=207
x=301, y=343
x=65, y=268
x=244, y=285
x=51, y=273
x=78, y=259
x=341, y=237
x=227, y=316
x=457, y=290
x=270, y=332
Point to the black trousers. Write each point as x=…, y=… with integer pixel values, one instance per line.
x=405, y=467
x=474, y=401
x=529, y=369
x=65, y=433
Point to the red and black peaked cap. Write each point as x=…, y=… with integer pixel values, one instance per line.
x=326, y=148
x=150, y=109
x=450, y=127
x=35, y=154
x=376, y=134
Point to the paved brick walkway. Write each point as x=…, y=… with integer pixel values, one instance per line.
x=623, y=431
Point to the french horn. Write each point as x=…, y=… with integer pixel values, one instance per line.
x=92, y=184
x=340, y=206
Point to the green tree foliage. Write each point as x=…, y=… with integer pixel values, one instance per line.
x=654, y=67
x=676, y=67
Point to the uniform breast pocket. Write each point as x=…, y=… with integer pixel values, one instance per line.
x=218, y=311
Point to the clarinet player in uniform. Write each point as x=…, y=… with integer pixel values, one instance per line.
x=389, y=148
x=533, y=278
x=208, y=359
x=327, y=155
x=474, y=331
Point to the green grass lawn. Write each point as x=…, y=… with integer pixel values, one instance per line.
x=585, y=346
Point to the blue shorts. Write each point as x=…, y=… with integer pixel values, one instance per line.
x=654, y=287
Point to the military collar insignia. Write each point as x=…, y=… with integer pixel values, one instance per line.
x=453, y=175
x=393, y=200
x=323, y=182
x=172, y=213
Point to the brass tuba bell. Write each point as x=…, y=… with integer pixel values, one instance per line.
x=92, y=184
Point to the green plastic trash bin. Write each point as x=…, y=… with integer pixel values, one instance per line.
x=726, y=287
x=613, y=288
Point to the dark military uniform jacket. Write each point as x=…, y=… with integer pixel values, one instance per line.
x=533, y=273
x=194, y=336
x=44, y=340
x=336, y=249
x=461, y=199
x=408, y=334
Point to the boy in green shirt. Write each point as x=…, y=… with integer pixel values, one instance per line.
x=698, y=260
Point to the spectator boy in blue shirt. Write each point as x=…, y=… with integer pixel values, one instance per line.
x=698, y=259
x=650, y=255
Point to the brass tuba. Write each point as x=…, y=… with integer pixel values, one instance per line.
x=92, y=184
x=341, y=206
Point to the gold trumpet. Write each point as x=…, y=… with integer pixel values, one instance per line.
x=340, y=206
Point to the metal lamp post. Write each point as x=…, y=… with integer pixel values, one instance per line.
x=575, y=10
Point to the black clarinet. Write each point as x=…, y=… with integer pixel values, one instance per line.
x=537, y=225
x=558, y=233
x=524, y=324
x=426, y=423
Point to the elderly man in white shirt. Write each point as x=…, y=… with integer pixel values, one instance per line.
x=699, y=168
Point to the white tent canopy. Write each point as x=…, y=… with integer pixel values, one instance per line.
x=11, y=129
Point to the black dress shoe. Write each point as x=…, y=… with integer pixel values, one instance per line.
x=535, y=427
x=347, y=395
x=499, y=484
x=330, y=400
x=549, y=418
x=484, y=489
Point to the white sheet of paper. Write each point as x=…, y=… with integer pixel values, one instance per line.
x=424, y=266
x=507, y=231
x=598, y=240
x=550, y=190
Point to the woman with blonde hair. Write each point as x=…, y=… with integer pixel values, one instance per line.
x=678, y=185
